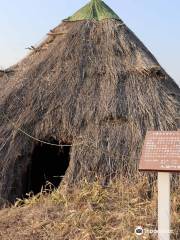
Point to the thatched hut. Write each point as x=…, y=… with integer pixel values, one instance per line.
x=80, y=104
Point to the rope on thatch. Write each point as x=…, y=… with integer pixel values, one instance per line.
x=36, y=139
x=6, y=71
x=151, y=71
x=36, y=49
x=41, y=141
x=52, y=33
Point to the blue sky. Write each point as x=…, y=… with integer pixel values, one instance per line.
x=155, y=22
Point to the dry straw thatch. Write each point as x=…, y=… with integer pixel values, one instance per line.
x=93, y=85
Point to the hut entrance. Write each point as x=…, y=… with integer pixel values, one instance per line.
x=48, y=165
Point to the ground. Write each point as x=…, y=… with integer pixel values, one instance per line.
x=88, y=212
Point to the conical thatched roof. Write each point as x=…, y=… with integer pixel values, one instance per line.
x=91, y=84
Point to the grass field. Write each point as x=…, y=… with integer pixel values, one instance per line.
x=88, y=212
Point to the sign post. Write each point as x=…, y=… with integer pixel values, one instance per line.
x=164, y=205
x=161, y=153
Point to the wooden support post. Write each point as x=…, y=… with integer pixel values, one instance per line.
x=164, y=206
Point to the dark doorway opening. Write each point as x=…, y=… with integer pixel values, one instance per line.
x=48, y=165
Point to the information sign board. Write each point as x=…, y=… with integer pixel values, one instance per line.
x=161, y=152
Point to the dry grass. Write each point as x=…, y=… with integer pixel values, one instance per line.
x=87, y=212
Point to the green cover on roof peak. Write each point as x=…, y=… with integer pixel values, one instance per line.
x=96, y=10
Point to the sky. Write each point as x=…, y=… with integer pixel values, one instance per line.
x=155, y=22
